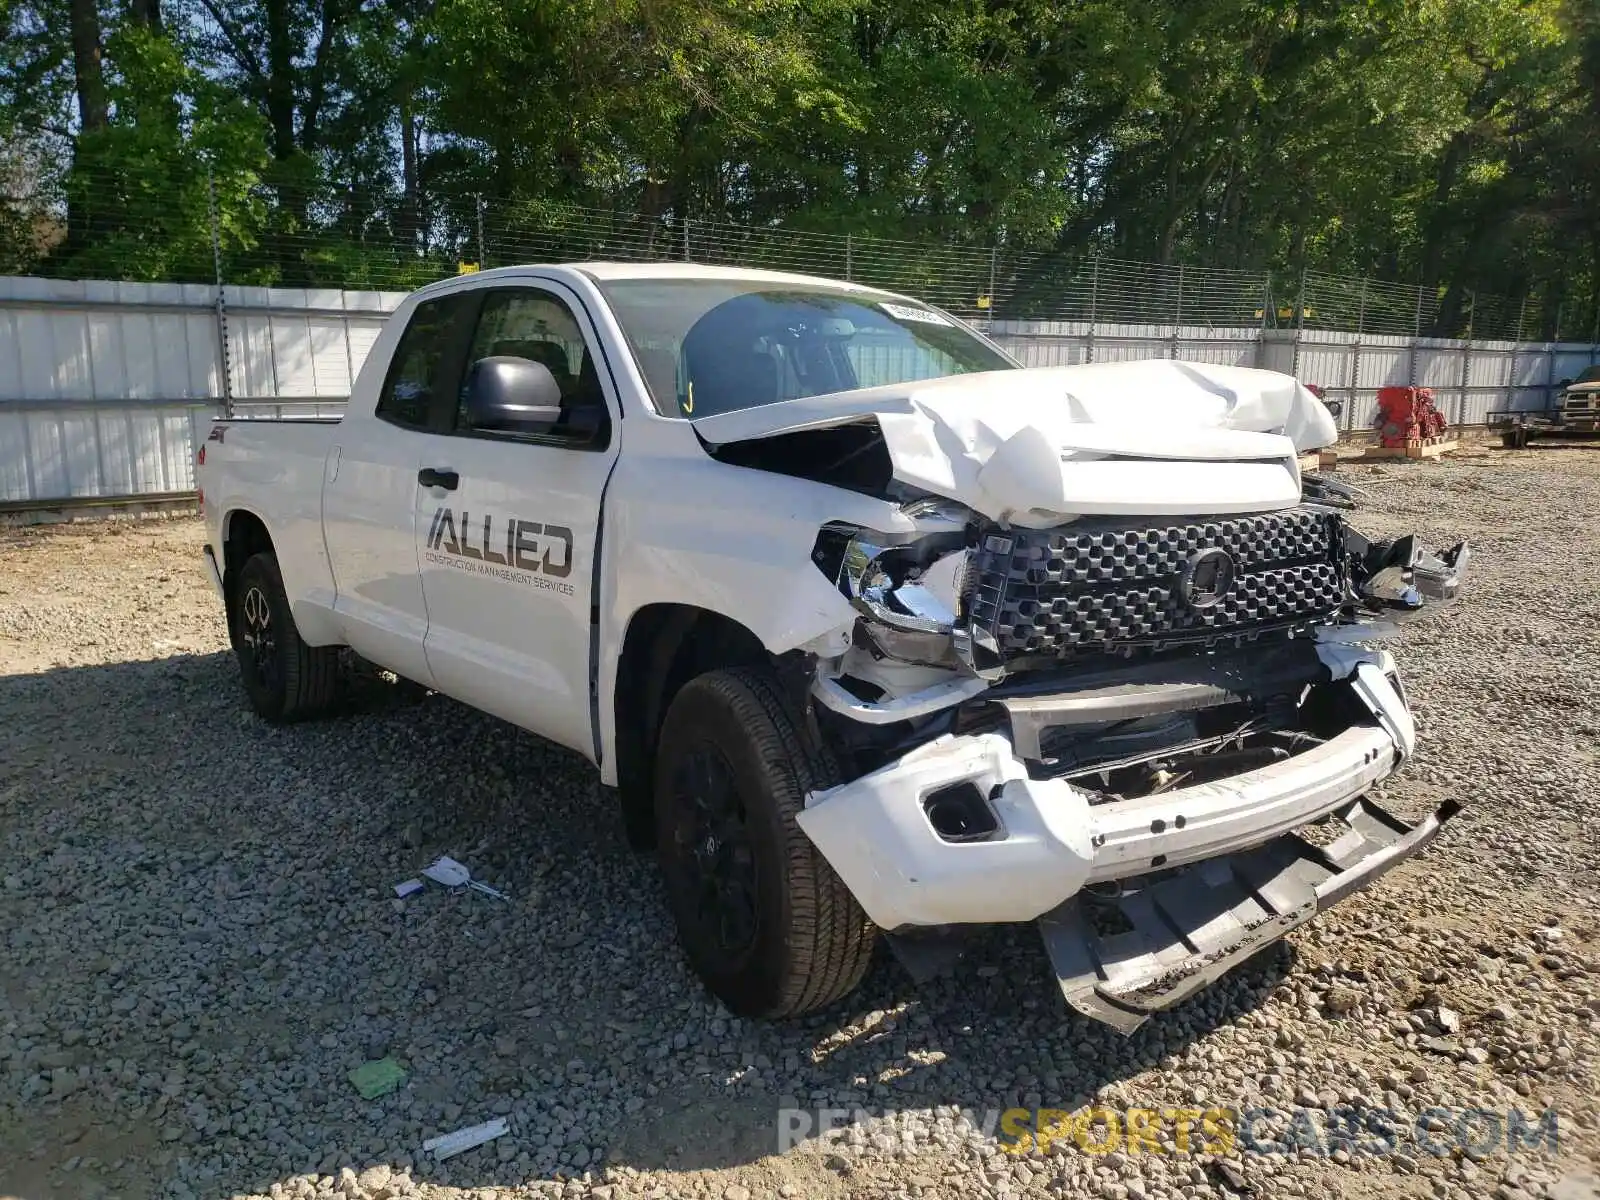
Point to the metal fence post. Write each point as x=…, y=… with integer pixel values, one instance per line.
x=1266, y=318
x=686, y=257
x=1177, y=315
x=1299, y=325
x=222, y=305
x=1550, y=359
x=483, y=256
x=1511, y=366
x=849, y=257
x=1355, y=357
x=1416, y=338
x=1094, y=302
x=1466, y=357
x=994, y=255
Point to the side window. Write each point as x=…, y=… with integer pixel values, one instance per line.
x=420, y=360
x=537, y=325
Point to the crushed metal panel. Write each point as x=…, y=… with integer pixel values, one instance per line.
x=1185, y=931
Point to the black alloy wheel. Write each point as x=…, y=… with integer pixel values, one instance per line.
x=712, y=861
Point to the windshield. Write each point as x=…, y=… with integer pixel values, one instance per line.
x=708, y=346
x=1591, y=375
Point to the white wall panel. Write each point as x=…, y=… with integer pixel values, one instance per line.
x=250, y=355
x=202, y=366
x=1226, y=352
x=144, y=439
x=1326, y=366
x=15, y=457
x=1117, y=349
x=1383, y=365
x=48, y=456
x=1438, y=367
x=1042, y=351
x=1532, y=366
x=330, y=357
x=1489, y=368
x=293, y=372
x=105, y=388
x=81, y=445
x=361, y=335
x=114, y=437
x=1570, y=361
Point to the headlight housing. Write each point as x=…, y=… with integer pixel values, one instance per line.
x=908, y=588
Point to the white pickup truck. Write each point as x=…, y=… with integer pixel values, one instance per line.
x=870, y=628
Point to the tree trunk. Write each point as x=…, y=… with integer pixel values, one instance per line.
x=88, y=77
x=866, y=32
x=681, y=181
x=1438, y=219
x=92, y=198
x=280, y=79
x=411, y=204
x=146, y=13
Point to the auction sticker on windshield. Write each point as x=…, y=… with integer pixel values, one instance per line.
x=904, y=312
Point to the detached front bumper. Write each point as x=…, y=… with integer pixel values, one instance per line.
x=1188, y=930
x=1200, y=877
x=1051, y=842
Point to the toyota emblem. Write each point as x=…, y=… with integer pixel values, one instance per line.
x=1207, y=578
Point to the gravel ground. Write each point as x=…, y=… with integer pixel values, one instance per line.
x=200, y=937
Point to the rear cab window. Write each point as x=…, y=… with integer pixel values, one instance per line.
x=426, y=363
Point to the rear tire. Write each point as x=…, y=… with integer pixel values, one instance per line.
x=761, y=915
x=285, y=679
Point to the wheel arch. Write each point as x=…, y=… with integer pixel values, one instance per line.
x=243, y=534
x=665, y=645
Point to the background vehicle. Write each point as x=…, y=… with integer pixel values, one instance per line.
x=1580, y=403
x=1578, y=414
x=870, y=628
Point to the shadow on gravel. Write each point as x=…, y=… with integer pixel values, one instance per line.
x=201, y=939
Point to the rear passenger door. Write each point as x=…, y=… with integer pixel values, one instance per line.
x=369, y=497
x=508, y=554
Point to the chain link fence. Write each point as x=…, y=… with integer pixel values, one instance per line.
x=186, y=226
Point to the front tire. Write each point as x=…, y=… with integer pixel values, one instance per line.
x=762, y=917
x=285, y=679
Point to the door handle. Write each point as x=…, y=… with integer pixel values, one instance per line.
x=434, y=477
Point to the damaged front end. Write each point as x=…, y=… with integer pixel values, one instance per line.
x=1153, y=735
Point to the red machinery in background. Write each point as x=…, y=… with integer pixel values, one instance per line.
x=1406, y=415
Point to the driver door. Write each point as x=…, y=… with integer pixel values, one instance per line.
x=509, y=528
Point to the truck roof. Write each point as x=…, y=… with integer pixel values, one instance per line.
x=607, y=271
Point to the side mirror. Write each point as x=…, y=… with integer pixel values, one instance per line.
x=1335, y=407
x=512, y=395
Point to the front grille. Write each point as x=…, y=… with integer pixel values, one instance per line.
x=1108, y=585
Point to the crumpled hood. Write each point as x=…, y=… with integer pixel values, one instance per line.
x=1037, y=445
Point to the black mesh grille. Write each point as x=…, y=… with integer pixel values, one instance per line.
x=1104, y=586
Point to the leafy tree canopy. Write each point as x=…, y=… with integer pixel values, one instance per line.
x=1451, y=144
